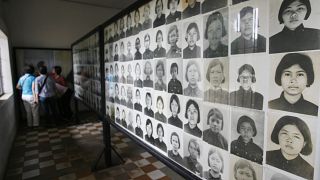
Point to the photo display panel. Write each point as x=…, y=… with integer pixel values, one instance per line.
x=227, y=89
x=86, y=69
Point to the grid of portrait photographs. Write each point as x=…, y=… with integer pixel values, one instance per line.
x=226, y=89
x=86, y=68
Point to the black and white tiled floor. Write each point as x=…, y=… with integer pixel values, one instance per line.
x=68, y=153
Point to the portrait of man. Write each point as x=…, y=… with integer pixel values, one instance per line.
x=137, y=55
x=174, y=14
x=192, y=37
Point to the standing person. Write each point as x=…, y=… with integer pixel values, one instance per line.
x=192, y=9
x=192, y=36
x=26, y=84
x=160, y=17
x=174, y=85
x=159, y=51
x=174, y=14
x=45, y=90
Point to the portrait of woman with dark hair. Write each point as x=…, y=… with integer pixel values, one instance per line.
x=175, y=143
x=159, y=51
x=158, y=142
x=245, y=96
x=215, y=76
x=192, y=36
x=192, y=114
x=129, y=26
x=118, y=115
x=294, y=138
x=244, y=146
x=148, y=82
x=149, y=129
x=137, y=82
x=214, y=32
x=216, y=165
x=238, y=1
x=191, y=162
x=160, y=84
x=138, y=129
x=174, y=14
x=123, y=119
x=294, y=73
x=147, y=110
x=249, y=41
x=160, y=16
x=294, y=36
x=116, y=53
x=159, y=114
x=192, y=9
x=123, y=96
x=175, y=110
x=129, y=76
x=122, y=33
x=148, y=54
x=137, y=104
x=129, y=54
x=210, y=5
x=147, y=23
x=174, y=85
x=243, y=170
x=122, y=56
x=137, y=55
x=137, y=25
x=213, y=135
x=193, y=76
x=173, y=37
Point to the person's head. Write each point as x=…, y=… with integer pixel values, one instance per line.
x=57, y=70
x=174, y=70
x=129, y=68
x=215, y=120
x=246, y=21
x=215, y=73
x=193, y=75
x=192, y=34
x=147, y=41
x=160, y=103
x=173, y=35
x=122, y=48
x=148, y=68
x=160, y=131
x=129, y=46
x=159, y=7
x=160, y=69
x=293, y=136
x=28, y=69
x=294, y=73
x=192, y=112
x=243, y=170
x=215, y=28
x=148, y=99
x=292, y=13
x=43, y=70
x=174, y=105
x=136, y=16
x=137, y=44
x=159, y=38
x=149, y=127
x=137, y=69
x=138, y=95
x=121, y=24
x=146, y=12
x=175, y=140
x=129, y=21
x=138, y=120
x=246, y=127
x=194, y=149
x=173, y=5
x=215, y=161
x=246, y=76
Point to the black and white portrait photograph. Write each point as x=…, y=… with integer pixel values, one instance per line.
x=138, y=130
x=294, y=83
x=193, y=117
x=106, y=53
x=174, y=33
x=146, y=20
x=111, y=33
x=115, y=31
x=138, y=40
x=248, y=27
x=193, y=152
x=174, y=11
x=106, y=35
x=129, y=102
x=148, y=74
x=175, y=117
x=190, y=8
x=160, y=41
x=175, y=144
x=174, y=76
x=117, y=93
x=129, y=73
x=192, y=39
x=122, y=26
x=148, y=104
x=137, y=99
x=294, y=25
x=123, y=120
x=137, y=26
x=290, y=143
x=116, y=51
x=242, y=169
x=130, y=121
x=116, y=72
x=193, y=78
x=215, y=33
x=216, y=163
x=160, y=13
x=117, y=114
x=129, y=28
x=161, y=107
x=122, y=54
x=123, y=95
x=247, y=135
x=209, y=5
x=160, y=83
x=148, y=45
x=238, y=1
x=271, y=174
x=110, y=52
x=130, y=47
x=138, y=74
x=122, y=78
x=216, y=80
x=148, y=137
x=160, y=135
x=248, y=81
x=216, y=123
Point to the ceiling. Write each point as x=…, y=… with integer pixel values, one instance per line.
x=108, y=4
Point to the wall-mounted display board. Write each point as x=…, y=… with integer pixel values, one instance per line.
x=225, y=89
x=87, y=71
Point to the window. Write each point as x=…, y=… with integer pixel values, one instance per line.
x=5, y=68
